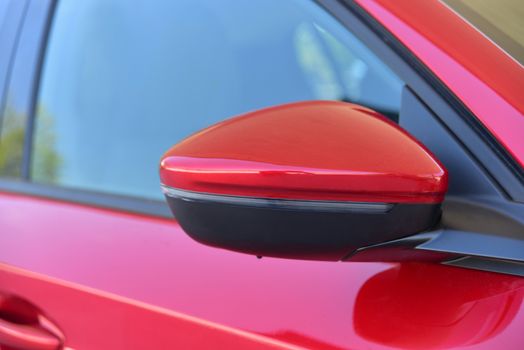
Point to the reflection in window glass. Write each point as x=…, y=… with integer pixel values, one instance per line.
x=11, y=142
x=3, y=11
x=11, y=122
x=121, y=84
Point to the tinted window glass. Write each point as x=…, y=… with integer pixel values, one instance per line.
x=11, y=122
x=3, y=11
x=122, y=81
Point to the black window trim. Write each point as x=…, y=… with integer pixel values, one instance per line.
x=364, y=27
x=91, y=198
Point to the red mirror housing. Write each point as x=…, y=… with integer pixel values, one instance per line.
x=312, y=180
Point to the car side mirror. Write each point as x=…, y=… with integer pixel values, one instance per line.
x=309, y=180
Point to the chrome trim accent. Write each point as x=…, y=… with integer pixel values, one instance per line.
x=311, y=205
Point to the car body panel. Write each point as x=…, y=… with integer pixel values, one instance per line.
x=157, y=268
x=478, y=72
x=101, y=320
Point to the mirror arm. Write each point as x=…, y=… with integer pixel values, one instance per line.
x=488, y=252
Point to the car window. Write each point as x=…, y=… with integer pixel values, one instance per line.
x=122, y=82
x=3, y=12
x=11, y=129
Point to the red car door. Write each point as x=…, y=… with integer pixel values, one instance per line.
x=104, y=279
x=90, y=257
x=111, y=280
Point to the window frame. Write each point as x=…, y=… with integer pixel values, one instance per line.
x=389, y=50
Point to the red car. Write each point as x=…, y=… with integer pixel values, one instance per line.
x=368, y=195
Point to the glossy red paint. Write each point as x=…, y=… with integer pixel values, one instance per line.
x=320, y=150
x=27, y=337
x=479, y=73
x=101, y=320
x=24, y=326
x=140, y=282
x=460, y=319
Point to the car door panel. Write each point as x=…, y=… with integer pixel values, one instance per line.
x=95, y=265
x=93, y=319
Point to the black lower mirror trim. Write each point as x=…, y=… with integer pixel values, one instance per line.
x=288, y=232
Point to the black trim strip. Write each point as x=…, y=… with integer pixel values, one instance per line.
x=123, y=203
x=277, y=203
